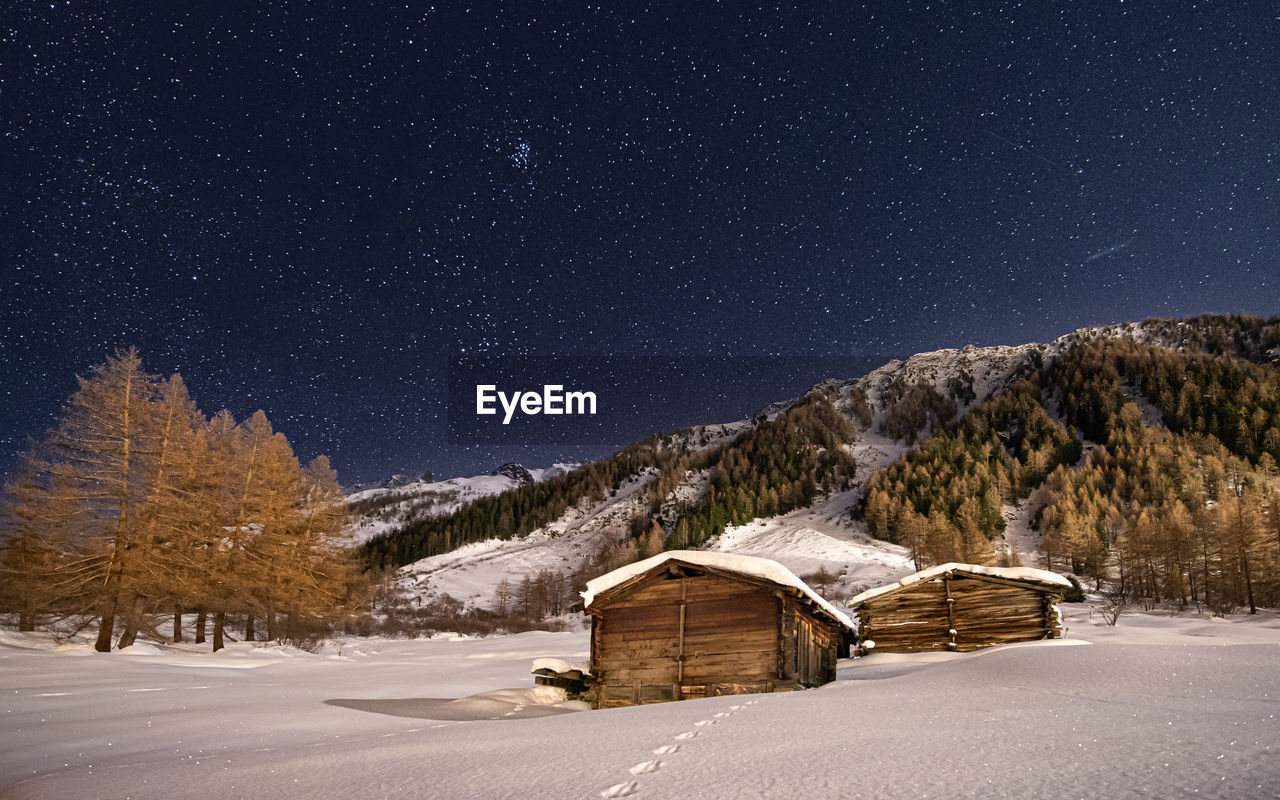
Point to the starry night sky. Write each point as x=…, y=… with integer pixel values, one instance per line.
x=308, y=210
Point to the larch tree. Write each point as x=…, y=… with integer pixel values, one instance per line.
x=102, y=454
x=151, y=565
x=137, y=506
x=40, y=571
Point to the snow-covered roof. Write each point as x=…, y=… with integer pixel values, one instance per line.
x=1021, y=574
x=749, y=566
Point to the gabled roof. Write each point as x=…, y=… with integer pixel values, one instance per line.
x=1033, y=578
x=757, y=569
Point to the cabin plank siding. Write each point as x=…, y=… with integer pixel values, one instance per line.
x=692, y=632
x=958, y=612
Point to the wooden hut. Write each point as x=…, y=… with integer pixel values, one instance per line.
x=960, y=607
x=688, y=624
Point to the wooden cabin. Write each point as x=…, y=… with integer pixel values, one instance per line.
x=960, y=607
x=688, y=624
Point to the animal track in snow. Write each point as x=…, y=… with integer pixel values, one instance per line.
x=620, y=790
x=628, y=788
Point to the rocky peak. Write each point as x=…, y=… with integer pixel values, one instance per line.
x=516, y=472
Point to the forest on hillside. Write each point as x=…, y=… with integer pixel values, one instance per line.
x=1148, y=453
x=1179, y=506
x=772, y=468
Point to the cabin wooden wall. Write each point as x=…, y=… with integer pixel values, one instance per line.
x=731, y=639
x=984, y=613
x=810, y=645
x=817, y=646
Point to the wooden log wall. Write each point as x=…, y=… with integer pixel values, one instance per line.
x=643, y=653
x=981, y=613
x=816, y=647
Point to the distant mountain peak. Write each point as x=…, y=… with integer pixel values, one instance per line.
x=393, y=481
x=516, y=472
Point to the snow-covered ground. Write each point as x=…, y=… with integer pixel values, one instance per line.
x=1158, y=706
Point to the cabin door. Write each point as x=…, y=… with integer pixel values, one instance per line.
x=804, y=651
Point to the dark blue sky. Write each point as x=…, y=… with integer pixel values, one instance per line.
x=308, y=210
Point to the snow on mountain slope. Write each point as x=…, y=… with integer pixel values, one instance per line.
x=805, y=541
x=472, y=572
x=381, y=509
x=995, y=368
x=856, y=561
x=824, y=537
x=992, y=369
x=821, y=537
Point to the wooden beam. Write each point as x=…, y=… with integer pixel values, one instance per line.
x=680, y=650
x=951, y=611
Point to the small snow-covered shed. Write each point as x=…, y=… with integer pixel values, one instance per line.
x=960, y=607
x=687, y=624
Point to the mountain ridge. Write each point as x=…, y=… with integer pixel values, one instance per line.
x=689, y=477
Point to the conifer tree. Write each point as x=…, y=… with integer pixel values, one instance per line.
x=136, y=506
x=40, y=569
x=102, y=454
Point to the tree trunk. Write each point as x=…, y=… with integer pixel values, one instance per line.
x=107, y=626
x=1204, y=550
x=249, y=633
x=201, y=620
x=128, y=635
x=1248, y=580
x=177, y=624
x=129, y=613
x=219, y=621
x=273, y=633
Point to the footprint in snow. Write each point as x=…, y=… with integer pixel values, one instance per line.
x=620, y=790
x=645, y=767
x=666, y=750
x=702, y=722
x=724, y=713
x=686, y=735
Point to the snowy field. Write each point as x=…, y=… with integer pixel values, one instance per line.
x=1155, y=707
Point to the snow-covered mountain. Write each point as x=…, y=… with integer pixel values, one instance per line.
x=394, y=481
x=395, y=502
x=821, y=539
